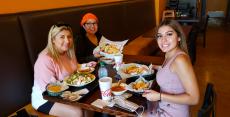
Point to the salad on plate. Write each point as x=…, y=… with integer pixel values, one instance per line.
x=79, y=79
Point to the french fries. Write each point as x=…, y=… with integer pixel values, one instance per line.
x=109, y=48
x=134, y=69
x=140, y=85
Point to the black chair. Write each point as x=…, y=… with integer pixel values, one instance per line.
x=203, y=21
x=208, y=107
x=191, y=43
x=203, y=28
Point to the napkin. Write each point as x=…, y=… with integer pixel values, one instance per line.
x=100, y=103
x=151, y=68
x=82, y=91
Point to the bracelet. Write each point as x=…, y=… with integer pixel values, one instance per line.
x=160, y=96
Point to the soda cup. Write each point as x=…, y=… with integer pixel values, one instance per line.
x=105, y=84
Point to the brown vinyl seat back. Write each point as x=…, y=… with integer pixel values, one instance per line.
x=36, y=27
x=16, y=73
x=111, y=20
x=117, y=21
x=139, y=18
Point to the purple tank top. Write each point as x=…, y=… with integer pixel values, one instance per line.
x=170, y=83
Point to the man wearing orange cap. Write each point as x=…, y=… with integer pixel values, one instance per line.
x=89, y=37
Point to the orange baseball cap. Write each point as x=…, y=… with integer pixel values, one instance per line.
x=88, y=16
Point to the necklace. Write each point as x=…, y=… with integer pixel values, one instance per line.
x=168, y=57
x=165, y=62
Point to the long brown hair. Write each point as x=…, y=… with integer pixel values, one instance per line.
x=177, y=28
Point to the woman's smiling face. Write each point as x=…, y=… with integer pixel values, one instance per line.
x=167, y=38
x=63, y=41
x=91, y=26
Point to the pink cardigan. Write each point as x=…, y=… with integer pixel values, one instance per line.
x=47, y=70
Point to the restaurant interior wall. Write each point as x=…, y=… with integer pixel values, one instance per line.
x=15, y=6
x=217, y=5
x=159, y=8
x=212, y=6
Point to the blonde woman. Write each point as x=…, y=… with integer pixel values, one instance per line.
x=54, y=63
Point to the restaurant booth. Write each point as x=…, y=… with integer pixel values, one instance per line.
x=24, y=35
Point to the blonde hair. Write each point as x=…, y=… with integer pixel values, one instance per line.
x=177, y=28
x=52, y=51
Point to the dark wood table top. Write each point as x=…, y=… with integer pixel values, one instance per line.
x=94, y=93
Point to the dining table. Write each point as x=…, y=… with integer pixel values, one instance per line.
x=94, y=90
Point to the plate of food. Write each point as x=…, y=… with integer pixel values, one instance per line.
x=118, y=88
x=108, y=50
x=68, y=95
x=74, y=96
x=86, y=70
x=140, y=85
x=79, y=79
x=134, y=69
x=107, y=60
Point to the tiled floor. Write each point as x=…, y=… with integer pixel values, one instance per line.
x=213, y=65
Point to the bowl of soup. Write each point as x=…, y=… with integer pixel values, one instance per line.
x=118, y=89
x=55, y=89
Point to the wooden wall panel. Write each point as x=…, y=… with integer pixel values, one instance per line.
x=217, y=5
x=15, y=6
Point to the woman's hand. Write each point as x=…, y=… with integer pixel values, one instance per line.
x=151, y=95
x=53, y=79
x=156, y=67
x=96, y=52
x=91, y=64
x=97, y=55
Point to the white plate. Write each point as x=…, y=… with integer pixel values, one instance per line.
x=145, y=70
x=130, y=86
x=68, y=96
x=107, y=60
x=86, y=70
x=108, y=55
x=79, y=79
